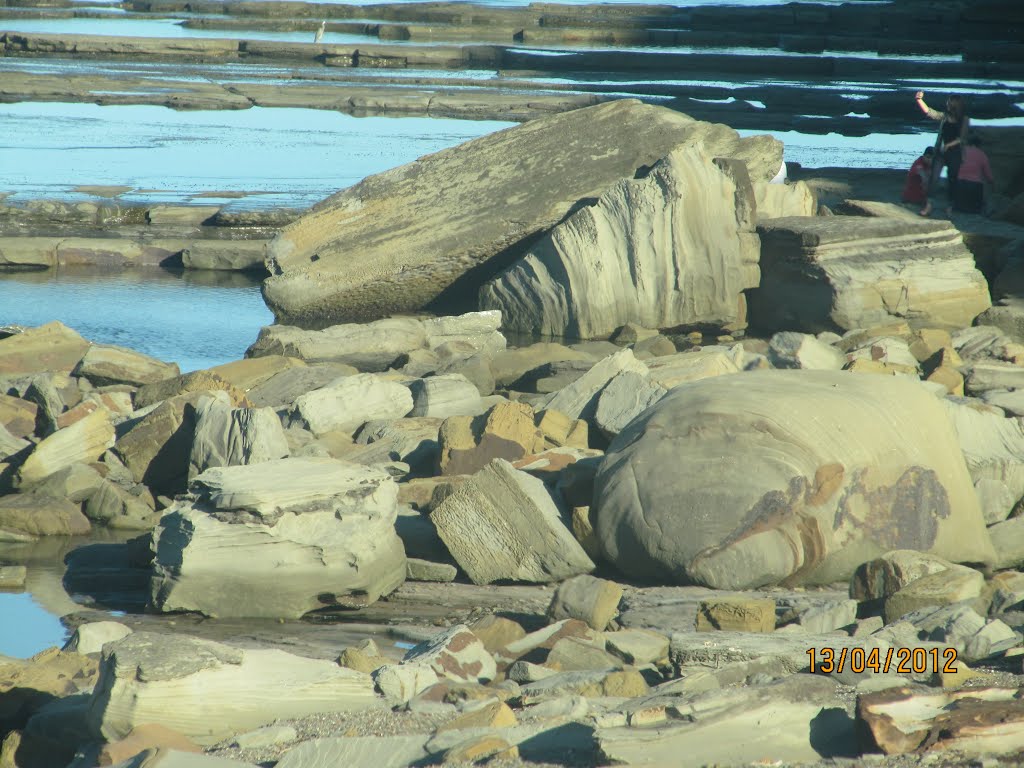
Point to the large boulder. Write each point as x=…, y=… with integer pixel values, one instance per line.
x=279, y=539
x=226, y=436
x=209, y=691
x=81, y=442
x=390, y=244
x=50, y=347
x=107, y=364
x=796, y=477
x=664, y=250
x=828, y=273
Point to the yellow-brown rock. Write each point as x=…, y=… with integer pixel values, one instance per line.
x=197, y=381
x=506, y=431
x=560, y=430
x=50, y=347
x=493, y=714
x=736, y=614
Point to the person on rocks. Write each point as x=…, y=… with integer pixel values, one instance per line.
x=952, y=136
x=919, y=177
x=975, y=173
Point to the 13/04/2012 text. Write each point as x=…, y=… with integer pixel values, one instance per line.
x=903, y=661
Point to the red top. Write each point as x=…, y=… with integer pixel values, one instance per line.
x=974, y=166
x=916, y=188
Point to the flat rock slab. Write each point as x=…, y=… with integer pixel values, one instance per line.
x=389, y=244
x=828, y=273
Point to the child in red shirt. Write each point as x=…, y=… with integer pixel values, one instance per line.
x=975, y=171
x=918, y=178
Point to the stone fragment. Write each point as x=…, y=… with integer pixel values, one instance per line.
x=544, y=640
x=424, y=570
x=105, y=364
x=197, y=381
x=50, y=347
x=625, y=683
x=12, y=576
x=480, y=748
x=114, y=507
x=156, y=448
x=18, y=416
x=506, y=431
x=736, y=614
x=589, y=599
x=579, y=399
x=571, y=654
x=1008, y=540
x=638, y=646
x=627, y=396
x=503, y=524
x=790, y=349
x=401, y=682
x=283, y=388
x=363, y=657
x=227, y=437
x=91, y=637
x=446, y=395
x=143, y=737
x=350, y=402
x=559, y=430
x=357, y=752
x=456, y=654
x=950, y=586
x=497, y=631
x=411, y=440
x=26, y=516
x=82, y=442
x=492, y=714
x=267, y=736
x=888, y=574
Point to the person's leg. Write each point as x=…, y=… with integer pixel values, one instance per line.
x=933, y=187
x=952, y=171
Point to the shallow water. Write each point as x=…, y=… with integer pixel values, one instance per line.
x=195, y=319
x=26, y=627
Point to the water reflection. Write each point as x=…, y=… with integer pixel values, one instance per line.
x=195, y=318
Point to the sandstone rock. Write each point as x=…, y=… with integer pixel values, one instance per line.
x=1007, y=592
x=559, y=430
x=209, y=691
x=888, y=574
x=972, y=722
x=705, y=363
x=268, y=736
x=349, y=402
x=572, y=654
x=282, y=389
x=578, y=400
x=481, y=748
x=156, y=448
x=1008, y=541
x=638, y=646
x=197, y=381
x=497, y=631
x=357, y=752
x=866, y=271
x=227, y=437
x=692, y=528
x=456, y=654
x=50, y=347
x=446, y=395
x=582, y=523
x=523, y=672
x=988, y=375
x=944, y=588
x=627, y=683
x=736, y=614
x=789, y=349
x=401, y=682
x=365, y=656
x=82, y=442
x=251, y=372
x=106, y=364
x=492, y=714
x=627, y=396
x=9, y=444
x=545, y=639
x=424, y=570
x=829, y=617
x=959, y=626
x=656, y=346
x=642, y=252
x=503, y=524
x=91, y=637
x=408, y=266
x=143, y=737
x=789, y=199
x=18, y=416
x=328, y=527
x=506, y=431
x=548, y=465
x=509, y=365
x=24, y=516
x=75, y=483
x=948, y=377
x=231, y=255
x=589, y=599
x=631, y=333
x=13, y=576
x=116, y=508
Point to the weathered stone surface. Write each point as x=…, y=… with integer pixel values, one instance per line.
x=626, y=683
x=328, y=528
x=114, y=507
x=1008, y=541
x=953, y=585
x=12, y=576
x=251, y=372
x=503, y=524
x=349, y=402
x=106, y=364
x=156, y=449
x=197, y=381
x=579, y=399
x=960, y=626
x=412, y=440
x=638, y=646
x=844, y=272
x=50, y=347
x=987, y=375
x=545, y=639
x=285, y=387
x=91, y=637
x=589, y=599
x=509, y=365
x=497, y=631
x=231, y=255
x=663, y=250
x=888, y=574
x=572, y=654
x=145, y=737
x=844, y=483
x=9, y=444
x=456, y=654
x=357, y=752
x=672, y=370
x=424, y=570
x=82, y=442
x=446, y=395
x=971, y=722
x=209, y=691
x=789, y=349
x=559, y=430
x=383, y=254
x=736, y=614
x=401, y=682
x=18, y=416
x=24, y=516
x=790, y=199
x=627, y=396
x=226, y=436
x=828, y=617
x=506, y=431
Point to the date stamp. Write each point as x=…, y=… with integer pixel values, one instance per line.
x=903, y=661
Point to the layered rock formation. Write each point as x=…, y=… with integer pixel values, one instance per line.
x=673, y=248
x=386, y=245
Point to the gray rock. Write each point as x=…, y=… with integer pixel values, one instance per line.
x=503, y=524
x=227, y=437
x=1008, y=540
x=357, y=752
x=424, y=570
x=401, y=682
x=79, y=443
x=888, y=574
x=828, y=617
x=91, y=637
x=283, y=388
x=446, y=395
x=790, y=349
x=113, y=506
x=349, y=402
x=268, y=736
x=990, y=375
x=578, y=400
x=587, y=598
x=707, y=520
x=627, y=396
x=105, y=364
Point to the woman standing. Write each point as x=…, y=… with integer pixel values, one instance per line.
x=953, y=127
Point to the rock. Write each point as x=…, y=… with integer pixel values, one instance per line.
x=736, y=614
x=50, y=347
x=789, y=199
x=10, y=445
x=424, y=570
x=113, y=506
x=283, y=388
x=479, y=749
x=673, y=370
x=545, y=639
x=17, y=416
x=227, y=437
x=708, y=729
x=28, y=685
x=972, y=722
x=948, y=377
x=627, y=396
x=631, y=333
x=510, y=365
x=642, y=252
x=990, y=375
x=357, y=752
x=789, y=349
x=1008, y=541
x=401, y=682
x=419, y=536
x=579, y=399
x=626, y=683
x=572, y=654
x=446, y=395
x=829, y=617
x=82, y=442
x=25, y=516
x=1007, y=592
x=248, y=373
x=144, y=737
x=707, y=523
x=524, y=672
x=503, y=524
x=888, y=574
x=456, y=654
x=13, y=576
x=328, y=527
x=638, y=646
x=589, y=599
x=506, y=431
x=401, y=267
x=364, y=656
x=960, y=627
x=492, y=714
x=411, y=440
x=497, y=631
x=944, y=588
x=156, y=448
x=268, y=736
x=559, y=430
x=549, y=464
x=91, y=637
x=866, y=272
x=350, y=402
x=106, y=364
x=197, y=381
x=656, y=346
x=209, y=691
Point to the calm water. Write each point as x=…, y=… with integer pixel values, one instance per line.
x=26, y=627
